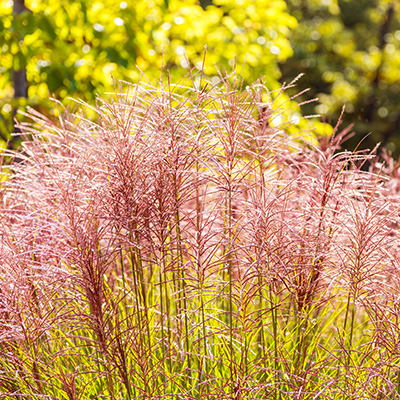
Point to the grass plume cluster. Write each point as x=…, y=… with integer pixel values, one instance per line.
x=185, y=246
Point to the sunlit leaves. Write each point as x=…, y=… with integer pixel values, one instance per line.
x=77, y=48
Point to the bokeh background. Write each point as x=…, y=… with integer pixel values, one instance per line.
x=348, y=50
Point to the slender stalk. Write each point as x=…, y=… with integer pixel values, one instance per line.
x=229, y=265
x=352, y=322
x=137, y=269
x=203, y=370
x=183, y=291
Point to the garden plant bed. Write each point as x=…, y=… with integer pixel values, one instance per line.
x=187, y=245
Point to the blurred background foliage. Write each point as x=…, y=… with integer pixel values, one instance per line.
x=349, y=51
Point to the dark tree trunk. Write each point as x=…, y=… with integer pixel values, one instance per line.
x=19, y=83
x=19, y=76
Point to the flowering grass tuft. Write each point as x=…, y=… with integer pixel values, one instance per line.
x=186, y=246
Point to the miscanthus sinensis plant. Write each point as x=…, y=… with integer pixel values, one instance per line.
x=185, y=246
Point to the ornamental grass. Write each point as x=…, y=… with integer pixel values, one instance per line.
x=184, y=244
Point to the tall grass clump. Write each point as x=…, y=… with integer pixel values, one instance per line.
x=186, y=246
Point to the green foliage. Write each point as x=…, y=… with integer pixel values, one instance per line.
x=350, y=54
x=72, y=48
x=349, y=51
